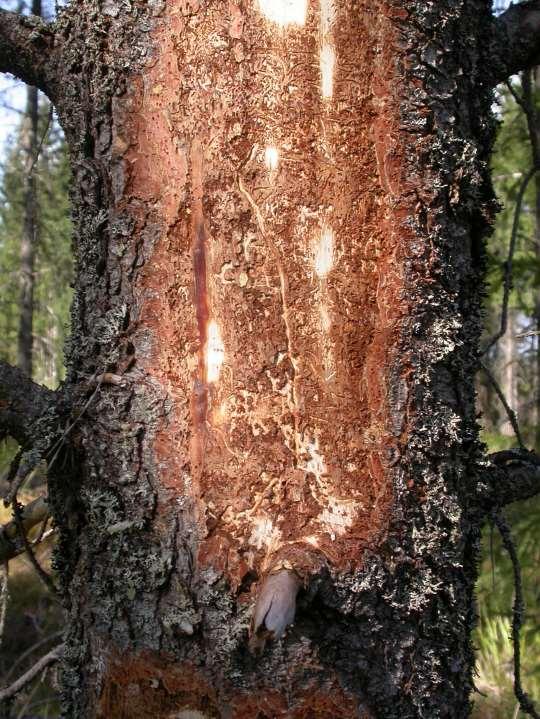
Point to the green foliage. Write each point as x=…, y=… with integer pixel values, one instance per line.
x=520, y=347
x=495, y=588
x=495, y=597
x=511, y=160
x=53, y=271
x=494, y=667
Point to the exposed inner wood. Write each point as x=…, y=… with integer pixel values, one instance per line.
x=273, y=295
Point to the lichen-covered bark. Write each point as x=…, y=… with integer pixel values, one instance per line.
x=22, y=402
x=279, y=248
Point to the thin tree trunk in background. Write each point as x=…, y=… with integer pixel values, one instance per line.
x=531, y=90
x=507, y=372
x=30, y=226
x=537, y=248
x=536, y=87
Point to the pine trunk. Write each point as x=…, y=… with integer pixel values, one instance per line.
x=279, y=212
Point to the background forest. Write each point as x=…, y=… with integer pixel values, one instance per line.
x=34, y=207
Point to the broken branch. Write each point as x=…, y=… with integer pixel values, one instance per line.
x=27, y=677
x=11, y=539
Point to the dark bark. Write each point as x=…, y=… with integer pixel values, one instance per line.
x=517, y=40
x=389, y=634
x=22, y=403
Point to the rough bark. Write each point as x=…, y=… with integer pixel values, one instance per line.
x=22, y=403
x=301, y=248
x=279, y=251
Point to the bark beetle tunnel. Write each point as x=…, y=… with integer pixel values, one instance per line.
x=273, y=293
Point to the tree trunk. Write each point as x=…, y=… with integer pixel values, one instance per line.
x=279, y=207
x=508, y=365
x=30, y=225
x=535, y=100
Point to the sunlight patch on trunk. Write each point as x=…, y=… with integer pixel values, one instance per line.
x=214, y=352
x=315, y=463
x=327, y=62
x=326, y=322
x=328, y=15
x=271, y=158
x=324, y=256
x=327, y=55
x=284, y=12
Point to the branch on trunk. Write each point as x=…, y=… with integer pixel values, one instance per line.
x=511, y=475
x=517, y=40
x=22, y=402
x=28, y=50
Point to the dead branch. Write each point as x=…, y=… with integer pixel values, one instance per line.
x=517, y=40
x=33, y=513
x=527, y=103
x=38, y=645
x=27, y=677
x=4, y=596
x=29, y=49
x=11, y=540
x=518, y=610
x=22, y=402
x=42, y=574
x=509, y=411
x=508, y=265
